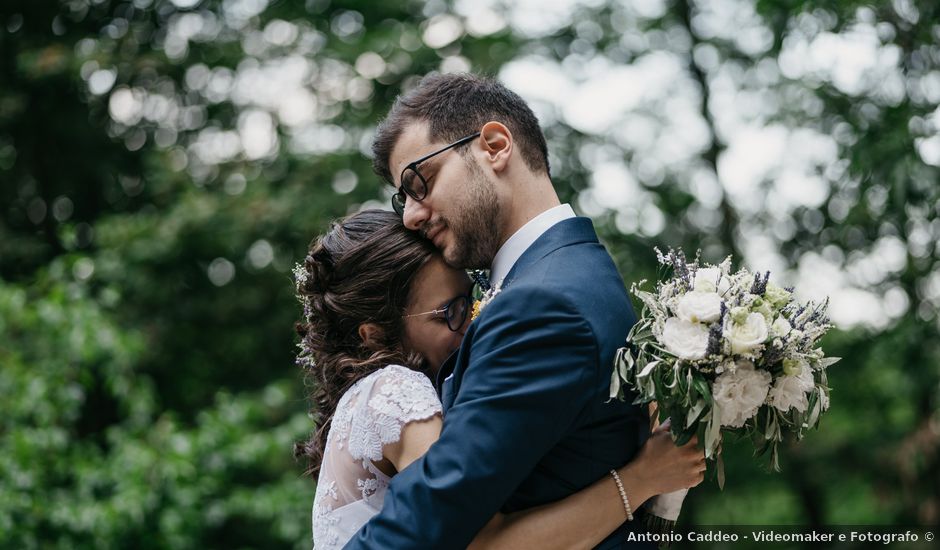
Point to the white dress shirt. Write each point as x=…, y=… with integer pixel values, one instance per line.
x=522, y=239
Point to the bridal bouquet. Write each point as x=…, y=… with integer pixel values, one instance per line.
x=724, y=352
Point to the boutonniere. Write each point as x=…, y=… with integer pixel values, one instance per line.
x=485, y=299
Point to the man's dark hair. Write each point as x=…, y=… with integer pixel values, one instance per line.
x=454, y=106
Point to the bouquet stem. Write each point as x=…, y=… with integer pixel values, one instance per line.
x=659, y=526
x=663, y=512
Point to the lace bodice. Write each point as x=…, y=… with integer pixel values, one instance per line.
x=370, y=415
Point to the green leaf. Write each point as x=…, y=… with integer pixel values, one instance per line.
x=720, y=468
x=712, y=432
x=695, y=412
x=815, y=404
x=614, y=385
x=701, y=386
x=681, y=437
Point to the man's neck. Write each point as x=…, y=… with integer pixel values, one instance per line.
x=521, y=240
x=527, y=202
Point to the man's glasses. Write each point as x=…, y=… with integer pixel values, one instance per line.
x=413, y=183
x=454, y=312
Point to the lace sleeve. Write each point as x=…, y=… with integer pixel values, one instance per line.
x=397, y=396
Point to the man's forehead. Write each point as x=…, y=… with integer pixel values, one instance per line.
x=412, y=144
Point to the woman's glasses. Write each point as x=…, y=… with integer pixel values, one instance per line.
x=454, y=312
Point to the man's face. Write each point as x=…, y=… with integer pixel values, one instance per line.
x=460, y=213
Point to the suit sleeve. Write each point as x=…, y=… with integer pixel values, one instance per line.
x=531, y=372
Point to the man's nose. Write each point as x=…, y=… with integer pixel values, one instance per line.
x=416, y=214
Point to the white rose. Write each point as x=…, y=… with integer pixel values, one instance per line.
x=781, y=327
x=684, y=339
x=746, y=336
x=792, y=391
x=706, y=279
x=700, y=307
x=740, y=393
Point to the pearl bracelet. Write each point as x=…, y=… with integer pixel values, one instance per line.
x=623, y=495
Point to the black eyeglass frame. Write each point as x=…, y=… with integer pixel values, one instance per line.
x=398, y=199
x=446, y=309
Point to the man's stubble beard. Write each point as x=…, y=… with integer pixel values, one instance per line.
x=475, y=225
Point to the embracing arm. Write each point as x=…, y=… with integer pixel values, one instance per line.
x=529, y=376
x=585, y=518
x=581, y=520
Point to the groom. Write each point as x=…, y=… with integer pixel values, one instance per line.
x=526, y=417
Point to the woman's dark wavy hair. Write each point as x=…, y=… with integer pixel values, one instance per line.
x=360, y=271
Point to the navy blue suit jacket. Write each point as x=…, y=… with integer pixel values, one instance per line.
x=526, y=418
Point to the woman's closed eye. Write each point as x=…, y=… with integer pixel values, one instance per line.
x=440, y=314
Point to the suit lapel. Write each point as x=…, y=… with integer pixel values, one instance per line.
x=564, y=233
x=445, y=371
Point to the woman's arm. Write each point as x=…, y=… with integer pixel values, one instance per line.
x=415, y=440
x=586, y=518
x=581, y=520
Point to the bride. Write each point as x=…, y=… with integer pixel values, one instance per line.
x=381, y=312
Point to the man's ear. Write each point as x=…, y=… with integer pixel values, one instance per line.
x=496, y=142
x=372, y=336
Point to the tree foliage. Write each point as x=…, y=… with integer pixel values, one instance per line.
x=163, y=164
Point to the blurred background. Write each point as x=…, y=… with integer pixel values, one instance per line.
x=163, y=165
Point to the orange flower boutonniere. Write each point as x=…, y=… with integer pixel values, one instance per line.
x=484, y=300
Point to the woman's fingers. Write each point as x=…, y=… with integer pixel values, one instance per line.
x=697, y=460
x=675, y=467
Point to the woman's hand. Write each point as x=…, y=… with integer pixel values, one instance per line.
x=662, y=467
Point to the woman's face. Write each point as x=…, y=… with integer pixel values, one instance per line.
x=427, y=333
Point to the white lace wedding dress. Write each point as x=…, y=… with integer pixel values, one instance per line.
x=350, y=489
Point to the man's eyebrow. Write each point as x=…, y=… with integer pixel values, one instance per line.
x=427, y=162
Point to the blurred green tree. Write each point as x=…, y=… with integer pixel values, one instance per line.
x=164, y=163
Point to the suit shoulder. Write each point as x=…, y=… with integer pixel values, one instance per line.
x=582, y=279
x=581, y=271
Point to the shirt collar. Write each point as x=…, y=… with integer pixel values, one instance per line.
x=522, y=239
